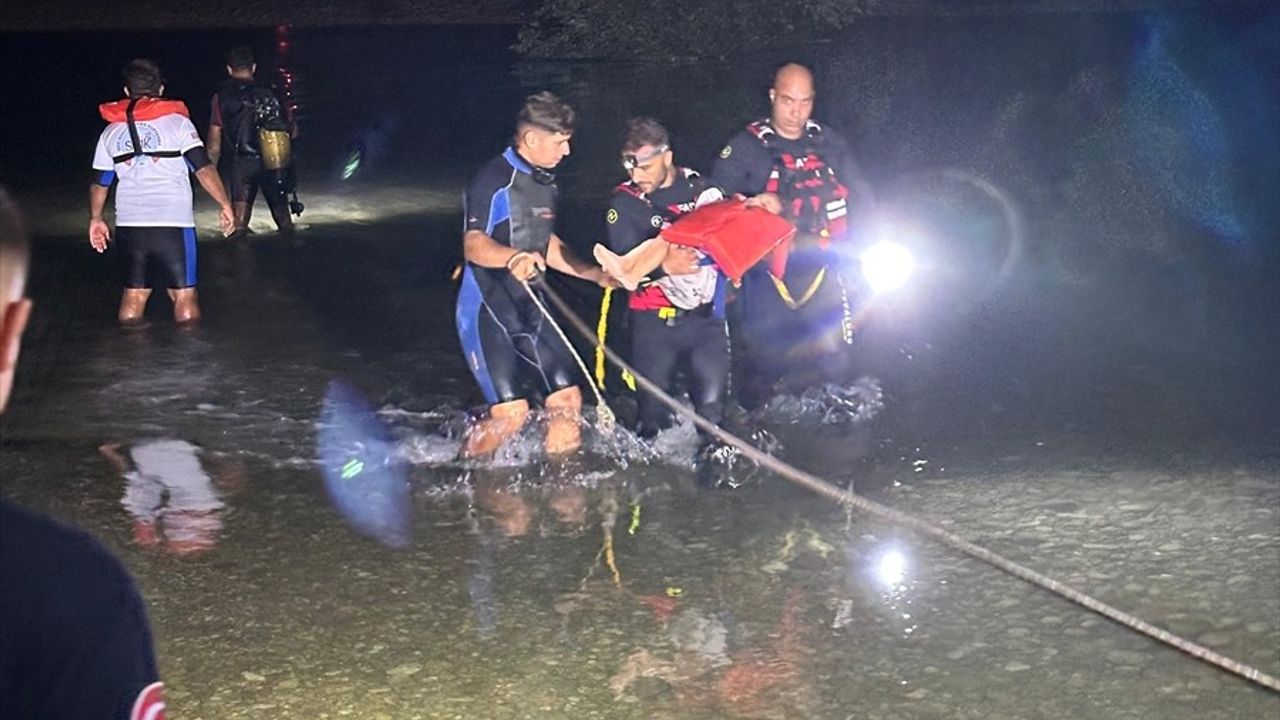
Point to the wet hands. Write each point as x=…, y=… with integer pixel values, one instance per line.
x=526, y=266
x=226, y=220
x=99, y=234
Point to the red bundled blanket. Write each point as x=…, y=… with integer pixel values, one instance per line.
x=735, y=236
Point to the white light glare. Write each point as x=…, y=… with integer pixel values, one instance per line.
x=887, y=266
x=891, y=568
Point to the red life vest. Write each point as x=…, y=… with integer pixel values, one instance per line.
x=812, y=195
x=147, y=107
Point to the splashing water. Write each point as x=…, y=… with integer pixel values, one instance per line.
x=829, y=404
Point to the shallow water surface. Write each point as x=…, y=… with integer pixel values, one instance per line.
x=1086, y=411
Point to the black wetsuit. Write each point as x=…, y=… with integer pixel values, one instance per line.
x=240, y=108
x=664, y=340
x=771, y=338
x=510, y=347
x=74, y=639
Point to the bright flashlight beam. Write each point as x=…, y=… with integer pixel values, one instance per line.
x=891, y=568
x=887, y=266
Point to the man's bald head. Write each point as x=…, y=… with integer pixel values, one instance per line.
x=794, y=76
x=791, y=98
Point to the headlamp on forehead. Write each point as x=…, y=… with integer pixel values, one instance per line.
x=631, y=161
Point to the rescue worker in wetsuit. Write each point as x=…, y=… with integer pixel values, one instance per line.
x=148, y=151
x=509, y=238
x=239, y=109
x=796, y=167
x=75, y=643
x=665, y=339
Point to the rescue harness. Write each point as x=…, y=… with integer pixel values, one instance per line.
x=130, y=111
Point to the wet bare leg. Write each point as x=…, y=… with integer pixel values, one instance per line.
x=133, y=303
x=633, y=267
x=504, y=420
x=564, y=421
x=186, y=305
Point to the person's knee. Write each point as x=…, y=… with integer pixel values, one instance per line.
x=132, y=304
x=569, y=398
x=504, y=419
x=511, y=412
x=564, y=429
x=186, y=306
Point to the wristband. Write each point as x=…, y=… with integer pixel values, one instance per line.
x=512, y=260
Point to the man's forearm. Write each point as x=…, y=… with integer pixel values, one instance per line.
x=480, y=249
x=97, y=200
x=212, y=184
x=560, y=257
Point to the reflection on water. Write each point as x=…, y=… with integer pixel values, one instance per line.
x=608, y=587
x=170, y=497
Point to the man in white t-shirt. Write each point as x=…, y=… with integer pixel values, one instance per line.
x=150, y=148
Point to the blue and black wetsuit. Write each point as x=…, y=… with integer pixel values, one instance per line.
x=509, y=346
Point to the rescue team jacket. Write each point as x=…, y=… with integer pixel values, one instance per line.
x=633, y=217
x=812, y=195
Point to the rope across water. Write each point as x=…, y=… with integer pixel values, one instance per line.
x=851, y=499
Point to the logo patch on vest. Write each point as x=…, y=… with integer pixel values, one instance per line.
x=150, y=703
x=726, y=152
x=612, y=216
x=656, y=221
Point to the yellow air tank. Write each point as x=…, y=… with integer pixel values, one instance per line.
x=277, y=149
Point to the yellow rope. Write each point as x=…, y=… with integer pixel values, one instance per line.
x=808, y=294
x=602, y=329
x=608, y=559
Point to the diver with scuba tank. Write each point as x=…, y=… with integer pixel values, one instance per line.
x=252, y=133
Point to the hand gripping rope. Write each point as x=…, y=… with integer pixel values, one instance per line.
x=605, y=419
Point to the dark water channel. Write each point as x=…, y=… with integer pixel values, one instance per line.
x=1082, y=377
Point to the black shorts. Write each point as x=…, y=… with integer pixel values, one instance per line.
x=171, y=251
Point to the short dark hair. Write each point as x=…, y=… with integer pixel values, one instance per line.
x=142, y=77
x=547, y=112
x=642, y=131
x=240, y=58
x=15, y=249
